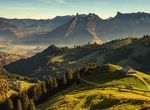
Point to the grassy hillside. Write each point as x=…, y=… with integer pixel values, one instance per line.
x=64, y=57
x=108, y=89
x=52, y=57
x=126, y=52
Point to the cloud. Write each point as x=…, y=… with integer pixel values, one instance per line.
x=18, y=8
x=60, y=1
x=56, y=1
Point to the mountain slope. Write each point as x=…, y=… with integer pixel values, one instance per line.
x=80, y=30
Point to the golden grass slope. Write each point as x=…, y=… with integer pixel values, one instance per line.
x=90, y=97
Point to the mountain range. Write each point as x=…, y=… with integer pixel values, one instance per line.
x=78, y=29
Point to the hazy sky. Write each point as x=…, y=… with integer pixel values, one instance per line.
x=51, y=8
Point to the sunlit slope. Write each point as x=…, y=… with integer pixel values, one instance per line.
x=113, y=90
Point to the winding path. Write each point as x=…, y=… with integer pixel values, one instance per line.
x=141, y=79
x=89, y=82
x=101, y=85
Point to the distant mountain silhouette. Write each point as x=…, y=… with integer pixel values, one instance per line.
x=9, y=32
x=124, y=25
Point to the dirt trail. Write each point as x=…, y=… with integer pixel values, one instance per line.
x=142, y=80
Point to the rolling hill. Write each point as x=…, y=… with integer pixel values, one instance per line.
x=105, y=88
x=49, y=62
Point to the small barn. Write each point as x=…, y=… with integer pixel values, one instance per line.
x=128, y=70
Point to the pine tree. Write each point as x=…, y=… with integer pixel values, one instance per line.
x=44, y=90
x=69, y=76
x=64, y=80
x=25, y=101
x=49, y=86
x=77, y=77
x=10, y=105
x=49, y=83
x=78, y=74
x=34, y=92
x=19, y=106
x=55, y=84
x=31, y=105
x=39, y=90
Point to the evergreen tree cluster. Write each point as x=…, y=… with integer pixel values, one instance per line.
x=18, y=102
x=38, y=93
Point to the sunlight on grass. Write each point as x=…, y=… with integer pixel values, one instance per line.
x=58, y=58
x=25, y=84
